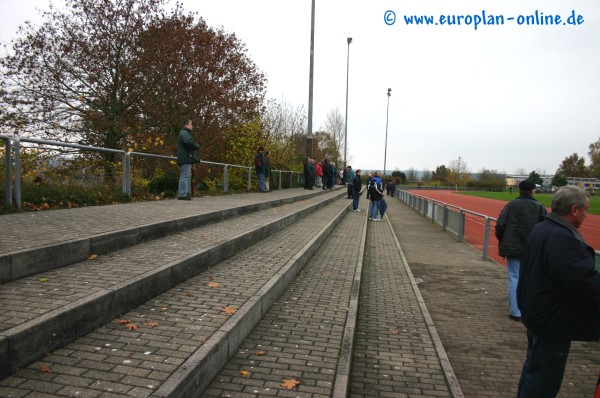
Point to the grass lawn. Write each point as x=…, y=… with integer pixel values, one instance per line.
x=545, y=199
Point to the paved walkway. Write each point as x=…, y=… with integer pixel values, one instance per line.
x=408, y=342
x=467, y=299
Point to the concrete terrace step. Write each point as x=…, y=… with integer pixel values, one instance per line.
x=41, y=315
x=183, y=336
x=36, y=242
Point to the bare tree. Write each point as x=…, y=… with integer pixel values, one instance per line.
x=335, y=126
x=458, y=172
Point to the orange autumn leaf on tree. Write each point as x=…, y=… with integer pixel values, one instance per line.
x=289, y=383
x=45, y=369
x=229, y=310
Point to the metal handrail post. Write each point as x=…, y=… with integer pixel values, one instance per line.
x=225, y=179
x=125, y=173
x=249, y=179
x=461, y=225
x=291, y=179
x=8, y=184
x=18, y=173
x=445, y=219
x=486, y=238
x=280, y=176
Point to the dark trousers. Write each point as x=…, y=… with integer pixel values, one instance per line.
x=350, y=191
x=355, y=197
x=544, y=367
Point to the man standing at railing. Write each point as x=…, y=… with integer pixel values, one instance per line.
x=514, y=224
x=187, y=156
x=558, y=293
x=260, y=167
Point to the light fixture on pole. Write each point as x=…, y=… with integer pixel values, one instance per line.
x=349, y=39
x=309, y=134
x=389, y=93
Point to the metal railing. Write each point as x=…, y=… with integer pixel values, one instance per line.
x=453, y=218
x=126, y=181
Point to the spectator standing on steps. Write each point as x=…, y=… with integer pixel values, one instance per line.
x=375, y=188
x=319, y=169
x=356, y=187
x=260, y=167
x=187, y=156
x=558, y=293
x=350, y=181
x=514, y=224
x=267, y=170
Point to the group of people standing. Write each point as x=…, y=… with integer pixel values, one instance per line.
x=553, y=285
x=321, y=175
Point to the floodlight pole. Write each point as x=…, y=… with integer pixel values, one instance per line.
x=349, y=40
x=309, y=134
x=389, y=93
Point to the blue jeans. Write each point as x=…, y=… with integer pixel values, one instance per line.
x=185, y=172
x=374, y=209
x=514, y=264
x=355, y=198
x=544, y=367
x=261, y=182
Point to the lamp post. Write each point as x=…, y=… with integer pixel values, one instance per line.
x=309, y=134
x=349, y=39
x=389, y=93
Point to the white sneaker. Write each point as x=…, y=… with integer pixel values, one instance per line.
x=376, y=219
x=370, y=219
x=357, y=210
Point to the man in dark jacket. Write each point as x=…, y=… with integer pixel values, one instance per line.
x=375, y=188
x=515, y=222
x=260, y=166
x=187, y=155
x=558, y=293
x=356, y=186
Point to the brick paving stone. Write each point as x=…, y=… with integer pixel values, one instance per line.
x=300, y=337
x=393, y=353
x=467, y=299
x=187, y=315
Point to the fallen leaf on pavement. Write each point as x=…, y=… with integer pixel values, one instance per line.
x=244, y=372
x=229, y=310
x=45, y=369
x=289, y=383
x=93, y=257
x=150, y=323
x=261, y=353
x=213, y=284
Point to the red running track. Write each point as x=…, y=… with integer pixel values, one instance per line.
x=475, y=225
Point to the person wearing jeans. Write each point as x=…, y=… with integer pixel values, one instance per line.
x=515, y=222
x=187, y=156
x=375, y=188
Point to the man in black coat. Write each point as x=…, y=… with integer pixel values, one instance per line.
x=558, y=293
x=515, y=222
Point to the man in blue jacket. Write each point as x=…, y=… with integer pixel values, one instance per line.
x=558, y=293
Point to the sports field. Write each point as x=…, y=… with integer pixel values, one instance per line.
x=491, y=207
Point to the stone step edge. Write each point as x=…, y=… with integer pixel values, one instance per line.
x=341, y=380
x=25, y=343
x=18, y=264
x=196, y=373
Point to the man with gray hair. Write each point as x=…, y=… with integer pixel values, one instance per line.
x=558, y=293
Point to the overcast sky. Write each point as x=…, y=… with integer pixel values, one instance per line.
x=502, y=97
